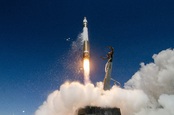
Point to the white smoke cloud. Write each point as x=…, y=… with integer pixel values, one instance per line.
x=150, y=91
x=72, y=96
x=167, y=104
x=157, y=81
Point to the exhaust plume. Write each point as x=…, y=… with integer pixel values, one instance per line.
x=86, y=67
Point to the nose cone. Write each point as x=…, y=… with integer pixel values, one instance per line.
x=85, y=22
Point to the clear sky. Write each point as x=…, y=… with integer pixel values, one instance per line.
x=33, y=43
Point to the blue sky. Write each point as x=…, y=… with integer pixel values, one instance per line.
x=33, y=43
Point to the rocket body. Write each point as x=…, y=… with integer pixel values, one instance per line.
x=86, y=50
x=86, y=53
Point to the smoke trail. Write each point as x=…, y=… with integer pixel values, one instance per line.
x=149, y=92
x=72, y=61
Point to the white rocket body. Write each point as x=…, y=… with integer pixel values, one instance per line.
x=86, y=41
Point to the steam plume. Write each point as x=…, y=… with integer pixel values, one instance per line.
x=150, y=91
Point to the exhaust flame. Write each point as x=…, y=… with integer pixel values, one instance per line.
x=86, y=70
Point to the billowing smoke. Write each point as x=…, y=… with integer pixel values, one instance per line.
x=157, y=81
x=72, y=96
x=150, y=91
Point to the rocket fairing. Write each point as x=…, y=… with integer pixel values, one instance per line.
x=86, y=41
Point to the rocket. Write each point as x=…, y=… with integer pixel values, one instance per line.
x=85, y=40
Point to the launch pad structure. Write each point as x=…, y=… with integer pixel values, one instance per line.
x=94, y=110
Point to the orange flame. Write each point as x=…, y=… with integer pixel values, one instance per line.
x=86, y=67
